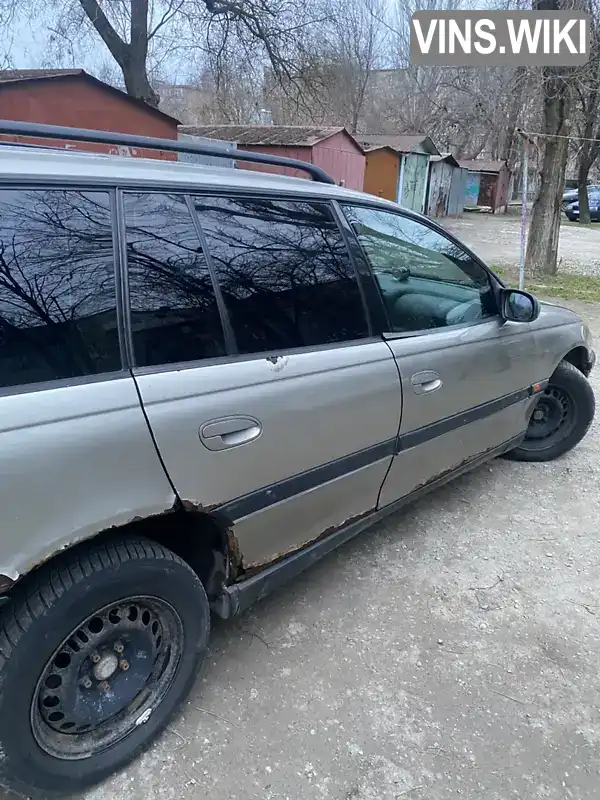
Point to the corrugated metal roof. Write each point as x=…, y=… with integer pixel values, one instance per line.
x=403, y=143
x=371, y=147
x=276, y=135
x=482, y=165
x=447, y=157
x=10, y=75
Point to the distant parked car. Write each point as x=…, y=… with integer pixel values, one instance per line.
x=571, y=209
x=572, y=195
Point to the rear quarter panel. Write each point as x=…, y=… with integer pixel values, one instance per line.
x=74, y=460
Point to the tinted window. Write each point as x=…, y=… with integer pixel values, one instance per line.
x=426, y=279
x=284, y=271
x=174, y=313
x=57, y=288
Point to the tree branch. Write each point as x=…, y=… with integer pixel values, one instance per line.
x=110, y=37
x=173, y=9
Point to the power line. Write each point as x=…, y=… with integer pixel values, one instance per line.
x=530, y=135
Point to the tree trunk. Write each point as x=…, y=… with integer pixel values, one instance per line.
x=588, y=152
x=542, y=244
x=509, y=150
x=130, y=56
x=582, y=180
x=137, y=83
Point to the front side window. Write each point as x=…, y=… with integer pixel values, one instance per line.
x=284, y=271
x=57, y=286
x=174, y=313
x=426, y=280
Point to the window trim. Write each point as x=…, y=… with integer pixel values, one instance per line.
x=495, y=283
x=264, y=355
x=230, y=340
x=63, y=383
x=110, y=189
x=125, y=332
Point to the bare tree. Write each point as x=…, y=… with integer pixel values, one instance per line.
x=467, y=111
x=131, y=53
x=334, y=67
x=355, y=44
x=139, y=34
x=557, y=88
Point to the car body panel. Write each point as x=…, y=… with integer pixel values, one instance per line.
x=477, y=365
x=75, y=460
x=557, y=332
x=314, y=409
x=571, y=195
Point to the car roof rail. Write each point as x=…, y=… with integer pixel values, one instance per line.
x=43, y=131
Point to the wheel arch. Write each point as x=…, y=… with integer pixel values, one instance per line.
x=203, y=539
x=579, y=358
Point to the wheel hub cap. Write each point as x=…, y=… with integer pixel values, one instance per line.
x=106, y=667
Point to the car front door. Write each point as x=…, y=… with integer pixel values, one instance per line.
x=269, y=398
x=466, y=373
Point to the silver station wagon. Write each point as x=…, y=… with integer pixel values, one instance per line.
x=209, y=378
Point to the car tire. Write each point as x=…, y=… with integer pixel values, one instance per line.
x=560, y=419
x=97, y=650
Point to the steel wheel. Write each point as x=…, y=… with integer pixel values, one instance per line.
x=554, y=417
x=560, y=419
x=106, y=677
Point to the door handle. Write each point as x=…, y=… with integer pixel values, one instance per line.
x=226, y=432
x=425, y=382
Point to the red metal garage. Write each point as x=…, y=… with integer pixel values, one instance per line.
x=332, y=149
x=72, y=97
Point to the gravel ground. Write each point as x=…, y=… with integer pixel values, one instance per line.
x=496, y=238
x=451, y=651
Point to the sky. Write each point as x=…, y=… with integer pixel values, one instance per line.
x=26, y=46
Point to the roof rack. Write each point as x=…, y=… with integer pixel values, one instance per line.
x=172, y=145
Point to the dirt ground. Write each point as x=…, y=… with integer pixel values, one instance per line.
x=496, y=238
x=451, y=651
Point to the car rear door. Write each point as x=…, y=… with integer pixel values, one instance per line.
x=268, y=396
x=465, y=372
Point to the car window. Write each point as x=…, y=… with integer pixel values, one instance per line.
x=174, y=313
x=426, y=280
x=284, y=271
x=57, y=286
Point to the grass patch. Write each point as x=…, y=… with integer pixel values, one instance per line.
x=568, y=286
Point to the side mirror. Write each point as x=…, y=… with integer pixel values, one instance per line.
x=518, y=306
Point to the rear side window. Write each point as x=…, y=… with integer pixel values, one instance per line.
x=57, y=286
x=174, y=314
x=284, y=271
